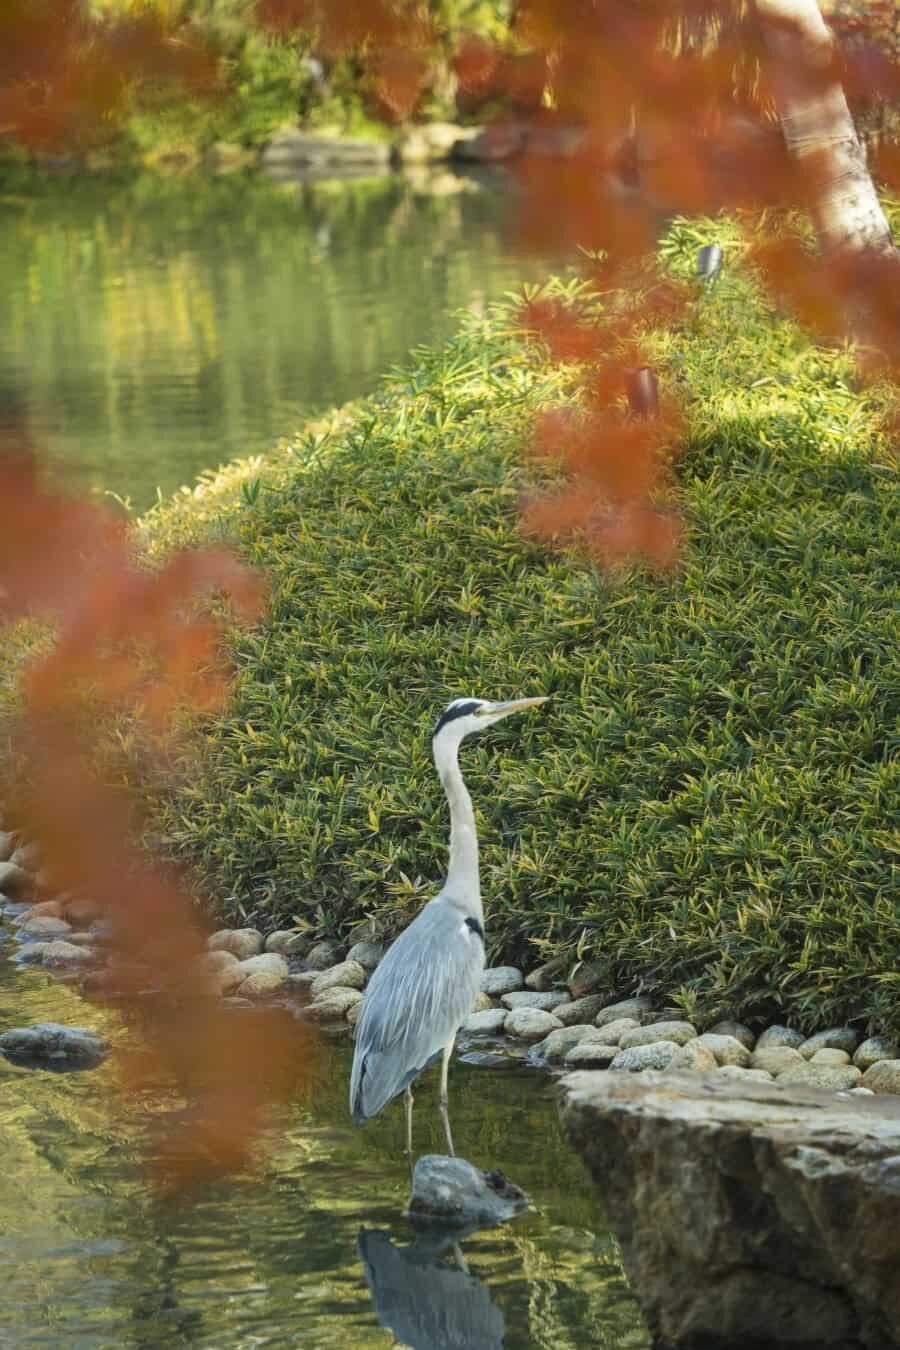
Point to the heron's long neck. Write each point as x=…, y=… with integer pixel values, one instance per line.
x=463, y=881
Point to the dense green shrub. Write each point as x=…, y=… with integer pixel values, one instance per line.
x=707, y=803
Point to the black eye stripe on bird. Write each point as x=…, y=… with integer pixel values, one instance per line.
x=455, y=710
x=426, y=984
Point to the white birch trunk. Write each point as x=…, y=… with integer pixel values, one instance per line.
x=819, y=130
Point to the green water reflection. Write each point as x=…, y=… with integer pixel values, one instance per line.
x=90, y=1257
x=162, y=326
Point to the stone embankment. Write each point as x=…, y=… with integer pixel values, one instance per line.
x=749, y=1217
x=549, y=1017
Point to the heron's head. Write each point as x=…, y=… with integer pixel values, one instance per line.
x=464, y=716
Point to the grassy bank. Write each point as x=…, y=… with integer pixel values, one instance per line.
x=706, y=804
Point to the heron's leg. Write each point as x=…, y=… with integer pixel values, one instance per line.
x=445, y=1064
x=409, y=1109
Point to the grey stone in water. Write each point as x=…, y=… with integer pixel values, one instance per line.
x=530, y=1024
x=488, y=1059
x=526, y=999
x=367, y=954
x=837, y=1038
x=874, y=1049
x=748, y=1217
x=322, y=955
x=288, y=942
x=776, y=1059
x=679, y=1032
x=883, y=1076
x=581, y=1010
x=637, y=1008
x=241, y=942
x=836, y=1077
x=589, y=978
x=776, y=1037
x=589, y=1054
x=452, y=1192
x=43, y=928
x=546, y=976
x=693, y=1057
x=487, y=1023
x=738, y=1030
x=556, y=1045
x=49, y=1045
x=347, y=974
x=14, y=881
x=640, y=1057
x=59, y=953
x=726, y=1049
x=497, y=980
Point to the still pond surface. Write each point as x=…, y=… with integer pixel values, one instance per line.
x=162, y=326
x=91, y=1257
x=154, y=329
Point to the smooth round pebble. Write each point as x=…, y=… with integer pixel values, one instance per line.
x=737, y=1030
x=679, y=1032
x=693, y=1057
x=334, y=1004
x=739, y=1071
x=347, y=974
x=241, y=942
x=835, y=1077
x=368, y=954
x=589, y=1054
x=530, y=1024
x=610, y=1033
x=497, y=980
x=875, y=1048
x=525, y=998
x=776, y=1059
x=288, y=942
x=581, y=1010
x=554, y=1047
x=487, y=1023
x=658, y=1055
x=726, y=1049
x=836, y=1038
x=323, y=956
x=636, y=1008
x=267, y=963
x=778, y=1037
x=883, y=1076
x=827, y=1055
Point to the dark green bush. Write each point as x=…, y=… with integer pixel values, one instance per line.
x=707, y=804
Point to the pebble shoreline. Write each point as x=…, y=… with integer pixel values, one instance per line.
x=541, y=1017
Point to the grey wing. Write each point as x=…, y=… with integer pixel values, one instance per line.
x=414, y=1004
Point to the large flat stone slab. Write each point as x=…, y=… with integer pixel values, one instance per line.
x=751, y=1216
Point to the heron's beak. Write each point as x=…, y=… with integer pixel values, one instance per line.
x=497, y=710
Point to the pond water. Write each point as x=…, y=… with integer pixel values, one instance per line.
x=92, y=1257
x=159, y=326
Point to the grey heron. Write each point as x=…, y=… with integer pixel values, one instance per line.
x=426, y=984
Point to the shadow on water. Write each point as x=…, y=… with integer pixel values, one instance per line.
x=161, y=326
x=91, y=1257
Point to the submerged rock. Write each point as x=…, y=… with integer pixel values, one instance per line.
x=748, y=1215
x=49, y=1045
x=451, y=1191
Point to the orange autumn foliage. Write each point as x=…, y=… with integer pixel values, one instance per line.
x=139, y=643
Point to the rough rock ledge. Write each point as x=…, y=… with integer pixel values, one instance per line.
x=750, y=1216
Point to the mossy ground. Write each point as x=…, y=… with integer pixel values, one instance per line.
x=707, y=804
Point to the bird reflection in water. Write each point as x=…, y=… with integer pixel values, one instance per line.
x=425, y=1300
